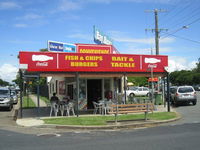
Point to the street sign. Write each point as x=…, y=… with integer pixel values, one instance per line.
x=61, y=47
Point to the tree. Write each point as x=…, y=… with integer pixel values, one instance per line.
x=43, y=50
x=185, y=77
x=138, y=81
x=197, y=68
x=4, y=83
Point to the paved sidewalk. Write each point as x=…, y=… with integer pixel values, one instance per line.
x=34, y=98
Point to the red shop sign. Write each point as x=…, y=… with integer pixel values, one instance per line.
x=83, y=62
x=94, y=49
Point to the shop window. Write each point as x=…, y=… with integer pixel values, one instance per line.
x=70, y=91
x=119, y=85
x=107, y=88
x=82, y=88
x=56, y=86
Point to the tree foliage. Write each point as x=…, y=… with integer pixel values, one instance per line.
x=4, y=83
x=185, y=77
x=138, y=81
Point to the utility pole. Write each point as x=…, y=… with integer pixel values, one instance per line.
x=156, y=30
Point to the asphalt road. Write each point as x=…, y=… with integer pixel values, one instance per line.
x=181, y=135
x=190, y=113
x=178, y=137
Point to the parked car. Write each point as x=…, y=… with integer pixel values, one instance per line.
x=6, y=100
x=184, y=94
x=15, y=96
x=197, y=87
x=138, y=91
x=172, y=91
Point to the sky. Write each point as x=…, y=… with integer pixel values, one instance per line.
x=27, y=25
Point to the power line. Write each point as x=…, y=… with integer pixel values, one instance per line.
x=186, y=11
x=179, y=29
x=184, y=38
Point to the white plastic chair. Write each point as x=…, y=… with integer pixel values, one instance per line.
x=97, y=107
x=107, y=107
x=54, y=108
x=69, y=108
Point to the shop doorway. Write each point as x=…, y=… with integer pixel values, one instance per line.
x=94, y=91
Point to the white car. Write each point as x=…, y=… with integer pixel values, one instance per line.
x=138, y=91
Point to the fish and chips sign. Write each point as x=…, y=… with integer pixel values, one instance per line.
x=88, y=62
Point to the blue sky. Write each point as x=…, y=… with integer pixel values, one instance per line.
x=28, y=24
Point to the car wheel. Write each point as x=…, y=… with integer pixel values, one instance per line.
x=10, y=107
x=148, y=94
x=194, y=102
x=131, y=94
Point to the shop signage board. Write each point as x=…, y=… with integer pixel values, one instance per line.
x=94, y=48
x=87, y=62
x=61, y=47
x=153, y=79
x=101, y=38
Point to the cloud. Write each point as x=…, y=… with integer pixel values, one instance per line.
x=180, y=63
x=30, y=16
x=9, y=5
x=67, y=5
x=20, y=25
x=8, y=72
x=80, y=36
x=122, y=37
x=19, y=41
x=133, y=1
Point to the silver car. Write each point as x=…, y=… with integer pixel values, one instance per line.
x=184, y=94
x=6, y=100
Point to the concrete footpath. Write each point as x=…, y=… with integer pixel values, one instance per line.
x=38, y=122
x=34, y=98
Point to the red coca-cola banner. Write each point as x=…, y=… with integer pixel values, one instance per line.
x=87, y=62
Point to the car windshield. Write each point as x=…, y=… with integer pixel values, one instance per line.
x=3, y=92
x=185, y=90
x=132, y=88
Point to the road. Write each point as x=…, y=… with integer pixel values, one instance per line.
x=183, y=134
x=190, y=113
x=179, y=137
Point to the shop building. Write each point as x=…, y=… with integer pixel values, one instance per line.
x=87, y=77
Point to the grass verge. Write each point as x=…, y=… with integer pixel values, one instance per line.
x=28, y=102
x=102, y=120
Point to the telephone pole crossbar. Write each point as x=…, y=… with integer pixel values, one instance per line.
x=156, y=30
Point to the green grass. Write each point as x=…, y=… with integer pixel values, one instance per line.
x=102, y=120
x=45, y=99
x=28, y=102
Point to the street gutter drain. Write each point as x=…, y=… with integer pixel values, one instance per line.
x=48, y=135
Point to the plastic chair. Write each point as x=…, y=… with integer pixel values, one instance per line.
x=70, y=107
x=107, y=106
x=97, y=107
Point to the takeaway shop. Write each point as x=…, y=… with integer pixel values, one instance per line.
x=91, y=75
